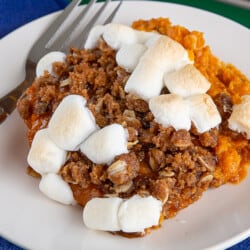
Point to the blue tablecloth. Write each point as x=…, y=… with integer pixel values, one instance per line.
x=15, y=13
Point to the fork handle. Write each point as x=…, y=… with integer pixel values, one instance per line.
x=8, y=102
x=3, y=115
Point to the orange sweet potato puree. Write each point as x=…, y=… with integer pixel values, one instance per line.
x=233, y=152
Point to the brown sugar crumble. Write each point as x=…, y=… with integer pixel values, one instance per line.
x=176, y=167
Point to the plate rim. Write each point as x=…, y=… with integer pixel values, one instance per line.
x=227, y=243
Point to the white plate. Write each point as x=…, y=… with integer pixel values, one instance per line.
x=220, y=219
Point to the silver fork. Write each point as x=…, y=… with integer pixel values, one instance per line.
x=54, y=40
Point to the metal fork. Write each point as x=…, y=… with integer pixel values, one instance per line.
x=54, y=40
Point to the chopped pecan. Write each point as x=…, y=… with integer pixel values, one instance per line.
x=124, y=169
x=98, y=174
x=156, y=159
x=76, y=173
x=162, y=139
x=181, y=139
x=134, y=103
x=209, y=138
x=160, y=190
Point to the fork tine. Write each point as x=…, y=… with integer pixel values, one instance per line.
x=83, y=35
x=112, y=15
x=108, y=20
x=51, y=31
x=59, y=43
x=39, y=48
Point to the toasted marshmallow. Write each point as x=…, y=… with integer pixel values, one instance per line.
x=163, y=56
x=102, y=214
x=94, y=35
x=144, y=36
x=115, y=214
x=102, y=146
x=129, y=55
x=166, y=54
x=113, y=35
x=146, y=81
x=71, y=123
x=186, y=81
x=240, y=117
x=116, y=35
x=203, y=112
x=44, y=155
x=152, y=40
x=45, y=63
x=138, y=213
x=171, y=110
x=53, y=186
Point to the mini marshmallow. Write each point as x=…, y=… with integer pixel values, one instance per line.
x=127, y=215
x=203, y=112
x=171, y=110
x=102, y=214
x=167, y=54
x=152, y=40
x=144, y=36
x=45, y=63
x=53, y=186
x=71, y=123
x=163, y=56
x=44, y=155
x=186, y=81
x=116, y=35
x=145, y=81
x=138, y=213
x=93, y=36
x=102, y=146
x=128, y=55
x=240, y=117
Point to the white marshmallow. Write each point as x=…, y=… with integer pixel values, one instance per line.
x=138, y=213
x=166, y=54
x=129, y=55
x=44, y=155
x=144, y=36
x=152, y=40
x=71, y=123
x=116, y=35
x=102, y=146
x=203, y=112
x=186, y=81
x=53, y=186
x=240, y=117
x=102, y=214
x=171, y=110
x=115, y=214
x=146, y=81
x=45, y=63
x=93, y=36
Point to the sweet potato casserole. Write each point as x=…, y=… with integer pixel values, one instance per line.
x=175, y=166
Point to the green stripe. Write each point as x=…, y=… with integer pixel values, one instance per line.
x=232, y=12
